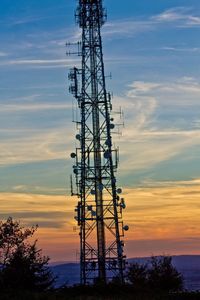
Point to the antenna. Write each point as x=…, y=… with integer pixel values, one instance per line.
x=99, y=209
x=71, y=184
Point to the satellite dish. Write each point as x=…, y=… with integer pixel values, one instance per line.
x=106, y=155
x=101, y=187
x=108, y=142
x=120, y=251
x=126, y=227
x=93, y=192
x=122, y=243
x=114, y=180
x=73, y=155
x=78, y=137
x=89, y=207
x=112, y=126
x=93, y=213
x=123, y=205
x=119, y=191
x=75, y=171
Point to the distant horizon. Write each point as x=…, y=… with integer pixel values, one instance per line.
x=54, y=263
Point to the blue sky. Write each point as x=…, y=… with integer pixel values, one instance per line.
x=152, y=49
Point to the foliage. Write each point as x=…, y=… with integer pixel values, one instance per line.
x=22, y=265
x=157, y=274
x=163, y=275
x=137, y=275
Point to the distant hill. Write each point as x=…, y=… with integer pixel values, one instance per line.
x=68, y=273
x=188, y=265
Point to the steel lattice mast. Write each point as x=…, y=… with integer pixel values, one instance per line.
x=99, y=209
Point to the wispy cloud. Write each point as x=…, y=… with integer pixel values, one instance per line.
x=30, y=207
x=33, y=107
x=151, y=149
x=55, y=226
x=179, y=16
x=50, y=63
x=193, y=21
x=141, y=87
x=170, y=184
x=151, y=140
x=173, y=14
x=179, y=49
x=24, y=20
x=38, y=189
x=127, y=27
x=187, y=87
x=38, y=146
x=3, y=54
x=156, y=216
x=24, y=17
x=34, y=87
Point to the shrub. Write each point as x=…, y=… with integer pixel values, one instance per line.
x=157, y=274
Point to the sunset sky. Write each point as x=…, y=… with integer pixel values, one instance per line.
x=152, y=49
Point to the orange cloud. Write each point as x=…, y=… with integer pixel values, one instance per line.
x=163, y=219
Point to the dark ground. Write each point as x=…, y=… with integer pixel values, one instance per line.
x=98, y=293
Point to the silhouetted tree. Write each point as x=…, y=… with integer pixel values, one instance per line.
x=22, y=264
x=163, y=275
x=12, y=236
x=157, y=274
x=137, y=275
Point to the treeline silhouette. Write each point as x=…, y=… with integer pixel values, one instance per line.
x=25, y=274
x=157, y=274
x=22, y=266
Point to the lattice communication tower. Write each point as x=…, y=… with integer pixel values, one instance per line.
x=100, y=206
